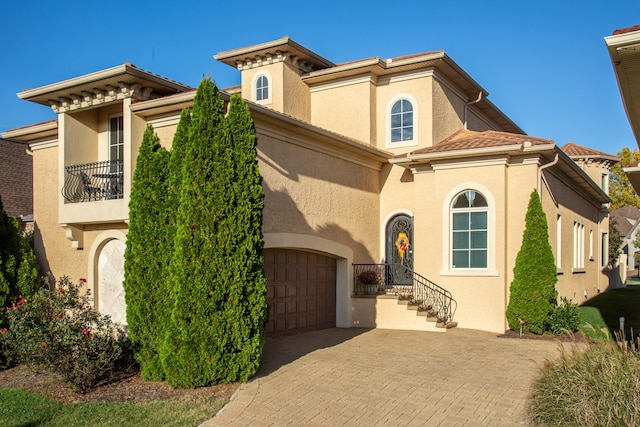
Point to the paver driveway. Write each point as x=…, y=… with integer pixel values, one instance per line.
x=365, y=377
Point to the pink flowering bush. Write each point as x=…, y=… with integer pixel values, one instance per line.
x=59, y=331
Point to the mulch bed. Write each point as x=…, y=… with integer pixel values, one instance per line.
x=132, y=389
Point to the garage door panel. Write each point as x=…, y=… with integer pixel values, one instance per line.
x=301, y=287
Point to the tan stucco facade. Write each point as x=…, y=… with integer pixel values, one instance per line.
x=333, y=178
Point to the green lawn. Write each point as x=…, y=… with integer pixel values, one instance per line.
x=605, y=310
x=21, y=408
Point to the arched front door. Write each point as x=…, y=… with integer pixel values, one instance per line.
x=399, y=249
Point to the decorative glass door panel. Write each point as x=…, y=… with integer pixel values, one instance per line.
x=399, y=250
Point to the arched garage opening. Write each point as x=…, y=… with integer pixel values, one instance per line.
x=307, y=283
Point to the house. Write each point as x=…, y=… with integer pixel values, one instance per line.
x=627, y=224
x=399, y=166
x=16, y=180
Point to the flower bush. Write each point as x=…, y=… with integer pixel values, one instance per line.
x=59, y=331
x=370, y=277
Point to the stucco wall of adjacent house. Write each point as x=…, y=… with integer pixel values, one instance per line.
x=315, y=194
x=344, y=107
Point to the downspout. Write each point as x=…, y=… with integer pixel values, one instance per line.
x=467, y=105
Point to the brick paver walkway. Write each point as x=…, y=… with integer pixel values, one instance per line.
x=364, y=377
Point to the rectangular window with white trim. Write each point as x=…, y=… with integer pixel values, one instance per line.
x=578, y=245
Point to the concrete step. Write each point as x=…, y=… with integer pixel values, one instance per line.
x=447, y=326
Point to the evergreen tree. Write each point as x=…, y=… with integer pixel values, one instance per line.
x=533, y=293
x=615, y=242
x=620, y=189
x=147, y=256
x=193, y=351
x=240, y=234
x=19, y=273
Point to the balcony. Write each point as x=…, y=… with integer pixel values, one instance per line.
x=93, y=182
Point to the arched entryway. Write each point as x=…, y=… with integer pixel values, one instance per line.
x=106, y=267
x=399, y=249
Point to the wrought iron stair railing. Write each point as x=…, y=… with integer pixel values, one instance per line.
x=93, y=181
x=407, y=284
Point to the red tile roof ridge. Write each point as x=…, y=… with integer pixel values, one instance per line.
x=626, y=30
x=468, y=139
x=573, y=149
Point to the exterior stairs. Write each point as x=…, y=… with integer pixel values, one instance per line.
x=425, y=312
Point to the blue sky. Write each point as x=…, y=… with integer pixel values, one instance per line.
x=544, y=63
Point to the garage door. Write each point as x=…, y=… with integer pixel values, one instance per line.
x=301, y=291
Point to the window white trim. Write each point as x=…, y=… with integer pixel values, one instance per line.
x=604, y=243
x=559, y=241
x=590, y=244
x=604, y=182
x=254, y=88
x=414, y=105
x=490, y=270
x=578, y=246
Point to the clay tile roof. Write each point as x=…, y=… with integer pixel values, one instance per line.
x=467, y=139
x=574, y=150
x=626, y=30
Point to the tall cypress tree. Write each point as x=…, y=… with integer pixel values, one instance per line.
x=147, y=256
x=192, y=354
x=533, y=290
x=240, y=237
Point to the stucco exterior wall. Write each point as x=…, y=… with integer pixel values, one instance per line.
x=448, y=111
x=276, y=82
x=315, y=194
x=296, y=93
x=343, y=107
x=53, y=249
x=572, y=207
x=420, y=88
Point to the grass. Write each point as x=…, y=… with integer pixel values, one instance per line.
x=22, y=408
x=604, y=312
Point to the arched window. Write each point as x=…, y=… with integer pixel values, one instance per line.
x=469, y=230
x=402, y=121
x=262, y=88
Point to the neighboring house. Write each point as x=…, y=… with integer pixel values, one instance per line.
x=16, y=180
x=628, y=225
x=402, y=162
x=624, y=50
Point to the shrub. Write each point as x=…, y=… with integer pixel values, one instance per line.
x=564, y=319
x=18, y=266
x=60, y=332
x=532, y=292
x=596, y=386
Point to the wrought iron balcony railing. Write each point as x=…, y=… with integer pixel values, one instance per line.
x=93, y=181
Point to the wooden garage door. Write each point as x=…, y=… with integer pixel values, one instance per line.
x=301, y=291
